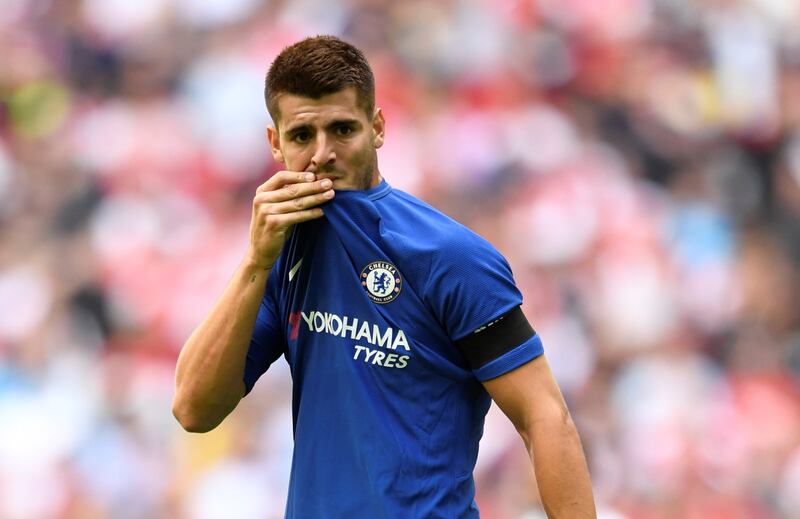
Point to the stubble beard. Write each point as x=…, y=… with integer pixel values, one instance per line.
x=365, y=177
x=364, y=165
x=366, y=168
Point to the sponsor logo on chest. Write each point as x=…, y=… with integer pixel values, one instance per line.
x=361, y=332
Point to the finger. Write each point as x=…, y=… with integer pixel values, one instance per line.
x=289, y=219
x=300, y=203
x=293, y=191
x=283, y=178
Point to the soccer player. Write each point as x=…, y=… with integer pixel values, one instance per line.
x=399, y=324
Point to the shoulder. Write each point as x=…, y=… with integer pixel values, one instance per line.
x=408, y=216
x=446, y=251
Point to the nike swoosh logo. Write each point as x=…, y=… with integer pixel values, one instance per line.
x=295, y=269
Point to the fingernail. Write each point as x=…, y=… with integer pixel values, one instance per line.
x=309, y=176
x=327, y=183
x=328, y=194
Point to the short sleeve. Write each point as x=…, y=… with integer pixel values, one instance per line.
x=268, y=341
x=471, y=288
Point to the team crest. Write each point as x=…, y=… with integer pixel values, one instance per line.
x=382, y=281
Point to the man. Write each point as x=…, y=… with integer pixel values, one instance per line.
x=398, y=323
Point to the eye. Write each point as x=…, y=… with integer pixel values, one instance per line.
x=301, y=137
x=344, y=130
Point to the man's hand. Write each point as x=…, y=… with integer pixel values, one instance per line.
x=209, y=375
x=287, y=198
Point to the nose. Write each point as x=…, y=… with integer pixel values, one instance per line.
x=324, y=154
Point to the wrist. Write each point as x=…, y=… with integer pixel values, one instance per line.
x=255, y=263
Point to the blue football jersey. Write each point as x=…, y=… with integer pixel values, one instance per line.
x=368, y=305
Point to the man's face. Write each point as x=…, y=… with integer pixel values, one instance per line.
x=330, y=136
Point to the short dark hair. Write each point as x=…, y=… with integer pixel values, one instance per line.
x=318, y=66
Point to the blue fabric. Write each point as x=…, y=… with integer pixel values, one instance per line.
x=387, y=412
x=525, y=352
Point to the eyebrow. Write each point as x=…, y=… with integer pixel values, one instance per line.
x=344, y=122
x=297, y=129
x=333, y=124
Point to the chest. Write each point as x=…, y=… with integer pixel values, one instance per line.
x=352, y=311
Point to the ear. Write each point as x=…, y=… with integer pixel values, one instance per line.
x=274, y=139
x=378, y=128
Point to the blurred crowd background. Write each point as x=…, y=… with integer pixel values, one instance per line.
x=637, y=161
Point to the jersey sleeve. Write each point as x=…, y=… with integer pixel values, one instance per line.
x=268, y=342
x=472, y=292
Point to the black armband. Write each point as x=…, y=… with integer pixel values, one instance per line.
x=496, y=338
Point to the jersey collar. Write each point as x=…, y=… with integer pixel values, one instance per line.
x=373, y=193
x=378, y=191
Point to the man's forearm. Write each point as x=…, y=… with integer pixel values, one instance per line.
x=561, y=471
x=211, y=364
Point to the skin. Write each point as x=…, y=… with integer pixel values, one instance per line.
x=330, y=136
x=327, y=144
x=530, y=397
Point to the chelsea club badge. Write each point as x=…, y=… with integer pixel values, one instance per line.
x=382, y=281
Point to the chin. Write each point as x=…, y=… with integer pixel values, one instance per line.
x=339, y=183
x=347, y=184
